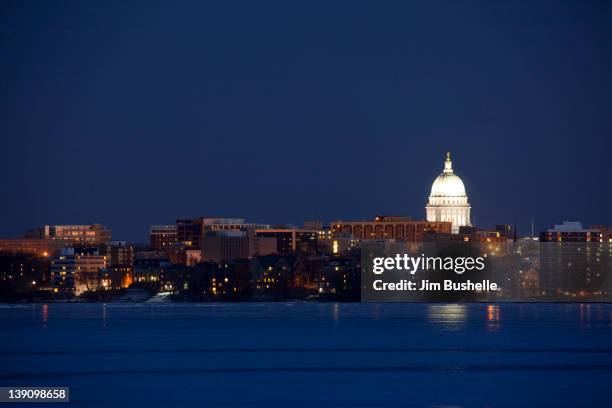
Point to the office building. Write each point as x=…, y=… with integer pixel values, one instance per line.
x=291, y=240
x=191, y=230
x=72, y=272
x=78, y=235
x=390, y=227
x=574, y=262
x=36, y=247
x=218, y=246
x=118, y=253
x=571, y=231
x=162, y=237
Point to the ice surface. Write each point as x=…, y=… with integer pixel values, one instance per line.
x=312, y=354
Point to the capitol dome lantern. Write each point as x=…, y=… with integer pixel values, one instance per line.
x=448, y=200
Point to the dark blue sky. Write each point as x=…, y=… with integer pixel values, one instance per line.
x=136, y=113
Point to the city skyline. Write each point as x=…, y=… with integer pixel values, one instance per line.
x=131, y=114
x=317, y=204
x=526, y=230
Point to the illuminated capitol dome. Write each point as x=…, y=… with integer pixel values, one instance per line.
x=448, y=201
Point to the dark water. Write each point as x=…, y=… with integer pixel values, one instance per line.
x=309, y=354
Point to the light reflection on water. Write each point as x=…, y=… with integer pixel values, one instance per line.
x=336, y=312
x=104, y=314
x=448, y=316
x=45, y=315
x=493, y=318
x=585, y=315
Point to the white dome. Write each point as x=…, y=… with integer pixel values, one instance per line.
x=448, y=201
x=448, y=184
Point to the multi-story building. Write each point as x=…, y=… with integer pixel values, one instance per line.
x=218, y=246
x=390, y=227
x=467, y=234
x=222, y=246
x=118, y=253
x=336, y=243
x=191, y=230
x=605, y=233
x=151, y=272
x=571, y=232
x=115, y=277
x=229, y=280
x=37, y=247
x=21, y=273
x=78, y=235
x=343, y=243
x=74, y=273
x=272, y=275
x=291, y=240
x=261, y=245
x=574, y=262
x=163, y=237
x=230, y=224
x=340, y=278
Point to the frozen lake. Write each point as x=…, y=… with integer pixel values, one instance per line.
x=312, y=354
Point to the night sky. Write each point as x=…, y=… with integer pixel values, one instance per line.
x=137, y=113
